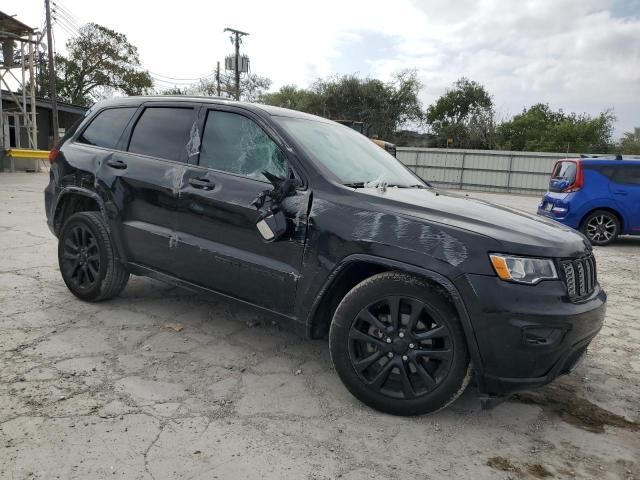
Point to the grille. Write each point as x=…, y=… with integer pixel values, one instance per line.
x=579, y=276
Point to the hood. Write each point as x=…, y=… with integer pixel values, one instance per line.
x=514, y=231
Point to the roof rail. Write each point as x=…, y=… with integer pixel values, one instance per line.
x=618, y=156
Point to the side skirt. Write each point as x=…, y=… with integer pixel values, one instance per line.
x=293, y=323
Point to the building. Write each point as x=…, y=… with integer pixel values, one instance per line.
x=15, y=135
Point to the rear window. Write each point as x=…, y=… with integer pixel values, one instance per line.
x=107, y=127
x=163, y=132
x=565, y=171
x=627, y=175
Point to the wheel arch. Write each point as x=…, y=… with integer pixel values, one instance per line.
x=356, y=268
x=609, y=209
x=72, y=200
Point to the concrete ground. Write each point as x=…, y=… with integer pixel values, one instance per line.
x=113, y=390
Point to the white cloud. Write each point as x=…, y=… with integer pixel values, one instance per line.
x=579, y=55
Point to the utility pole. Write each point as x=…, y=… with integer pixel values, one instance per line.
x=218, y=78
x=238, y=34
x=52, y=75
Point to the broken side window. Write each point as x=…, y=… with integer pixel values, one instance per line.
x=234, y=143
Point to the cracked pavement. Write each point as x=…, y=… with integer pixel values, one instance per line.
x=113, y=390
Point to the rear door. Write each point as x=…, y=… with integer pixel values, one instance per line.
x=147, y=178
x=218, y=244
x=625, y=189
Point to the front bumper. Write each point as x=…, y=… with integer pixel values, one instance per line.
x=527, y=335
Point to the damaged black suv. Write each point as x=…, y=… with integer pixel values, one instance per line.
x=309, y=220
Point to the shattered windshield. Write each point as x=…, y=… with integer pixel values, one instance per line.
x=354, y=159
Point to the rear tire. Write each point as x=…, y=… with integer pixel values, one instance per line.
x=410, y=362
x=87, y=260
x=601, y=227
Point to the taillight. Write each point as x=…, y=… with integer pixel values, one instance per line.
x=53, y=154
x=578, y=182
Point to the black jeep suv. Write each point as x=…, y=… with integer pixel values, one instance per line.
x=311, y=221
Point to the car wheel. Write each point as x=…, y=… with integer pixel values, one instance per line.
x=601, y=227
x=398, y=346
x=87, y=259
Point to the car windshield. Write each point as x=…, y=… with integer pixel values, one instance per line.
x=354, y=159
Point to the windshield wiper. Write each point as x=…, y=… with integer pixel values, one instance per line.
x=417, y=185
x=355, y=184
x=386, y=185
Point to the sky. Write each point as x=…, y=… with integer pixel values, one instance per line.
x=578, y=55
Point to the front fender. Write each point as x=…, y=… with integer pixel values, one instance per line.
x=431, y=275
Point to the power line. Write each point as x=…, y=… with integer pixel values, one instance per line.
x=169, y=82
x=154, y=74
x=66, y=10
x=65, y=28
x=61, y=16
x=70, y=30
x=64, y=13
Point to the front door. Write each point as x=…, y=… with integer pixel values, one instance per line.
x=625, y=188
x=219, y=246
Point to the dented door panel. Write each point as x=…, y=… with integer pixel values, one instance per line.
x=147, y=195
x=218, y=246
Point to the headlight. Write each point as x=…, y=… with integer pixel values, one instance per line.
x=523, y=269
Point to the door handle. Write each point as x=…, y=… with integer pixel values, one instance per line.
x=202, y=183
x=621, y=192
x=119, y=164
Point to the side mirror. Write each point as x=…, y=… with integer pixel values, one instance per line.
x=272, y=225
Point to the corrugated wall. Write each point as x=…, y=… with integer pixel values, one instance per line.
x=489, y=170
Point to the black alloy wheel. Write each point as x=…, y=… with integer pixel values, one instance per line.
x=398, y=348
x=81, y=257
x=87, y=258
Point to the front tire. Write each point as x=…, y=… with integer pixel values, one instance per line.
x=398, y=346
x=87, y=260
x=601, y=227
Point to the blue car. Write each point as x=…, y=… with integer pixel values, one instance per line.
x=598, y=196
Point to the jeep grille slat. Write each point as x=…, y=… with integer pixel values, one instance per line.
x=579, y=276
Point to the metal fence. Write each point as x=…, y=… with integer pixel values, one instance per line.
x=487, y=170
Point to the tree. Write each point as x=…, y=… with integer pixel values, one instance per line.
x=465, y=114
x=630, y=143
x=173, y=91
x=100, y=61
x=252, y=86
x=289, y=96
x=540, y=129
x=382, y=107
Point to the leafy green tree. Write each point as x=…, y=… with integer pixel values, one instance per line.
x=252, y=86
x=541, y=129
x=292, y=97
x=465, y=114
x=100, y=62
x=173, y=91
x=630, y=143
x=382, y=107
